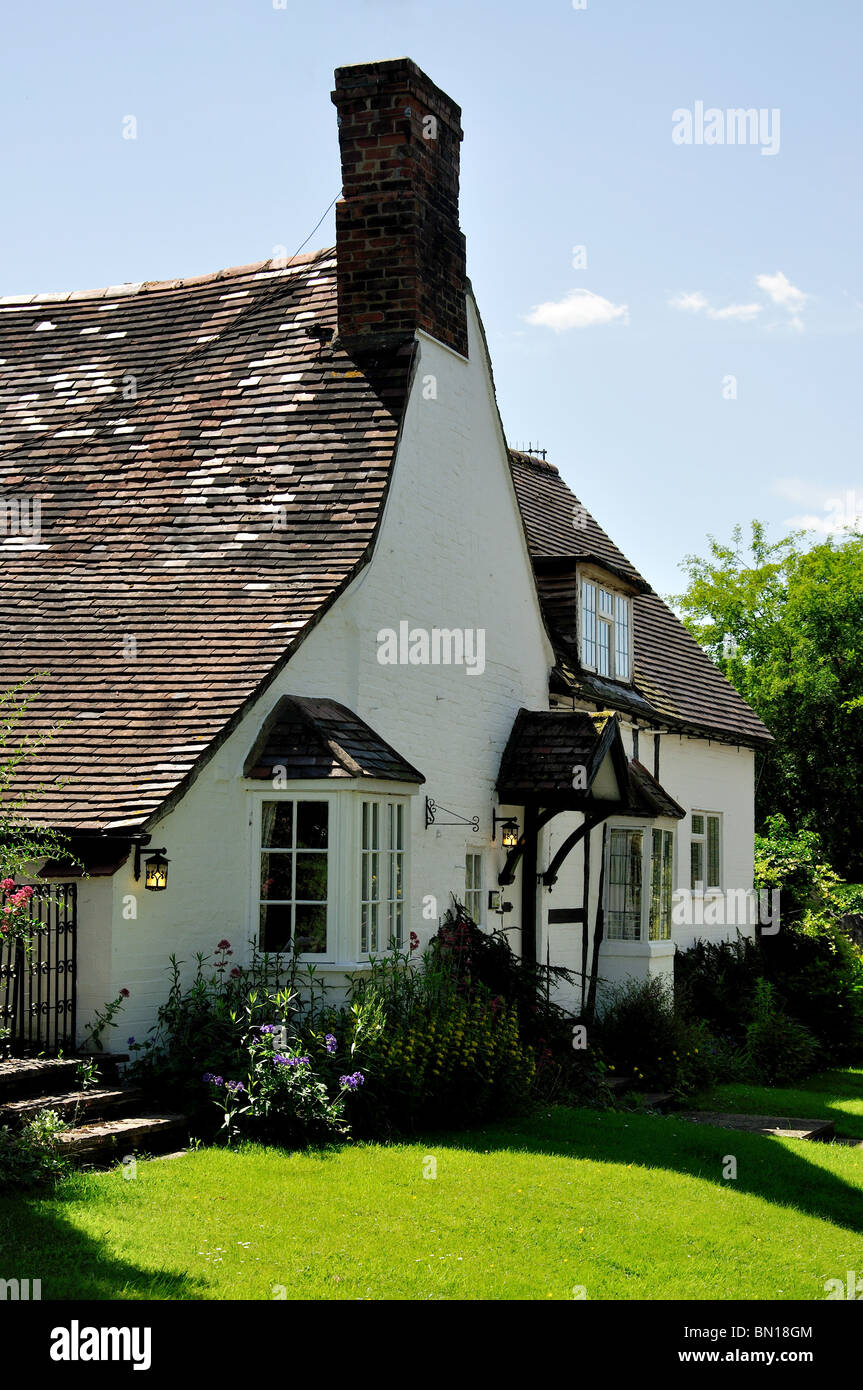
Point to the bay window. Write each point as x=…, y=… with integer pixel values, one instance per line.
x=639, y=858
x=330, y=874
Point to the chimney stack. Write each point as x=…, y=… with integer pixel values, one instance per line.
x=400, y=253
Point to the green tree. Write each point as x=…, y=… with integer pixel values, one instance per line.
x=784, y=621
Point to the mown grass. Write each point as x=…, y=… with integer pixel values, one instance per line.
x=626, y=1206
x=830, y=1095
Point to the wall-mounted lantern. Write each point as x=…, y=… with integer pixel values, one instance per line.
x=156, y=872
x=155, y=868
x=509, y=830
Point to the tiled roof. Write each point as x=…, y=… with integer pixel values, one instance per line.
x=319, y=738
x=211, y=470
x=675, y=682
x=650, y=793
x=545, y=747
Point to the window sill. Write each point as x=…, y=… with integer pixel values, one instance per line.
x=637, y=948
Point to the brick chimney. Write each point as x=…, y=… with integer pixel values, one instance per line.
x=401, y=255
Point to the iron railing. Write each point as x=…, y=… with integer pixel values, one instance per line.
x=37, y=983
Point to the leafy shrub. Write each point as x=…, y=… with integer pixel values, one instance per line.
x=30, y=1156
x=777, y=1049
x=463, y=957
x=715, y=981
x=284, y=1098
x=452, y=1059
x=205, y=1023
x=814, y=969
x=468, y=1031
x=643, y=1036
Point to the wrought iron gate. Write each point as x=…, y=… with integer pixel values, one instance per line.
x=37, y=986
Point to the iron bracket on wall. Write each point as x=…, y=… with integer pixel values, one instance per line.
x=432, y=810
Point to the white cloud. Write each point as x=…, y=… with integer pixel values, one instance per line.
x=778, y=288
x=742, y=312
x=578, y=309
x=782, y=292
x=691, y=303
x=839, y=510
x=695, y=302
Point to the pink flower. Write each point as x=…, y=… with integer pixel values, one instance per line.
x=236, y=972
x=124, y=994
x=223, y=945
x=415, y=941
x=7, y=885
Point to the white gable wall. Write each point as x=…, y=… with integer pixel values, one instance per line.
x=450, y=553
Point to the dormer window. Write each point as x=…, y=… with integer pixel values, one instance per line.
x=606, y=628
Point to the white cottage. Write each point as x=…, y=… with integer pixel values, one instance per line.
x=308, y=630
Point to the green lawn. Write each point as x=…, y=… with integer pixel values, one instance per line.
x=831, y=1095
x=626, y=1205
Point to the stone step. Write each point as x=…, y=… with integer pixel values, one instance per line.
x=80, y=1106
x=655, y=1100
x=783, y=1126
x=618, y=1084
x=106, y=1138
x=35, y=1076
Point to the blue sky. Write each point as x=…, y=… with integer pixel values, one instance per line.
x=704, y=262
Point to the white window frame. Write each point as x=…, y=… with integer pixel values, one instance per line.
x=476, y=890
x=618, y=595
x=295, y=796
x=706, y=888
x=645, y=828
x=344, y=850
x=388, y=852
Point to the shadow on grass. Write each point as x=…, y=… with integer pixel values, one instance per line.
x=765, y=1167
x=38, y=1242
x=823, y=1096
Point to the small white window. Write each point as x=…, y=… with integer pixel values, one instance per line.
x=705, y=851
x=473, y=886
x=605, y=631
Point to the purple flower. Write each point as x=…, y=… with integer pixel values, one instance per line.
x=214, y=1080
x=350, y=1083
x=331, y=1043
x=234, y=1086
x=291, y=1061
x=130, y=1042
x=269, y=1028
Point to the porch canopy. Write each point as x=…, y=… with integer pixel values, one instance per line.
x=570, y=760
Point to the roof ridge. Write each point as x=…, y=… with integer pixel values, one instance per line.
x=132, y=287
x=542, y=465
